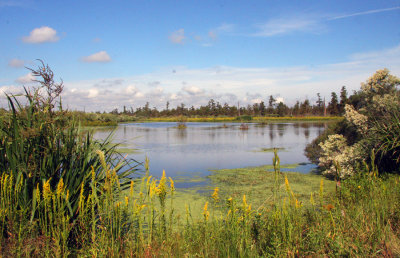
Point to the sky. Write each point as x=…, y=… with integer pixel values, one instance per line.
x=111, y=54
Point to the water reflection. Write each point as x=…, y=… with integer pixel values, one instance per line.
x=204, y=146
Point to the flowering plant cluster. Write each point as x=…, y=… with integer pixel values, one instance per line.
x=371, y=124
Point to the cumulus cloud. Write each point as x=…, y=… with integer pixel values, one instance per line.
x=16, y=63
x=177, y=37
x=99, y=57
x=93, y=93
x=192, y=90
x=41, y=35
x=27, y=78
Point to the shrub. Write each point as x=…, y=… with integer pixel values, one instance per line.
x=371, y=125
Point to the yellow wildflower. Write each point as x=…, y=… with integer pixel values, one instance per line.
x=206, y=214
x=67, y=195
x=162, y=187
x=215, y=194
x=60, y=187
x=172, y=185
x=131, y=189
x=46, y=190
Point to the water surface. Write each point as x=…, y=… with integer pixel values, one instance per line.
x=201, y=147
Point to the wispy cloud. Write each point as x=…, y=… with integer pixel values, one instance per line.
x=223, y=28
x=287, y=25
x=99, y=57
x=16, y=63
x=306, y=23
x=41, y=35
x=364, y=13
x=177, y=37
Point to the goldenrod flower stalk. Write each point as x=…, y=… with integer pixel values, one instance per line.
x=215, y=195
x=47, y=191
x=60, y=188
x=131, y=189
x=206, y=214
x=244, y=202
x=81, y=199
x=298, y=204
x=67, y=195
x=153, y=189
x=172, y=185
x=287, y=185
x=162, y=187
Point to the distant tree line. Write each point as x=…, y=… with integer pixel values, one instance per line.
x=321, y=107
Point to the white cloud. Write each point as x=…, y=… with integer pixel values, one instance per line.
x=16, y=63
x=99, y=57
x=364, y=13
x=279, y=100
x=286, y=25
x=27, y=78
x=9, y=89
x=228, y=84
x=131, y=89
x=177, y=37
x=192, y=90
x=41, y=35
x=92, y=93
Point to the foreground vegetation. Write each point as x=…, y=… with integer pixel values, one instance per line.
x=63, y=193
x=360, y=218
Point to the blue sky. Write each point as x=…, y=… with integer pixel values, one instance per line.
x=115, y=53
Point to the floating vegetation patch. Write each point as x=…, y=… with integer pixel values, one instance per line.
x=269, y=149
x=189, y=179
x=258, y=183
x=128, y=151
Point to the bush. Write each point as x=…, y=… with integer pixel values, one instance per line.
x=371, y=125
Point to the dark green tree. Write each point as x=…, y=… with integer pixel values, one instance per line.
x=333, y=106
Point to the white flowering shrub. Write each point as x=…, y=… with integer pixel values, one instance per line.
x=360, y=121
x=336, y=151
x=380, y=83
x=371, y=125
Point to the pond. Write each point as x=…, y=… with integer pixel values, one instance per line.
x=200, y=147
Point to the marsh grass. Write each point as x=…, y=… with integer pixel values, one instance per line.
x=359, y=219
